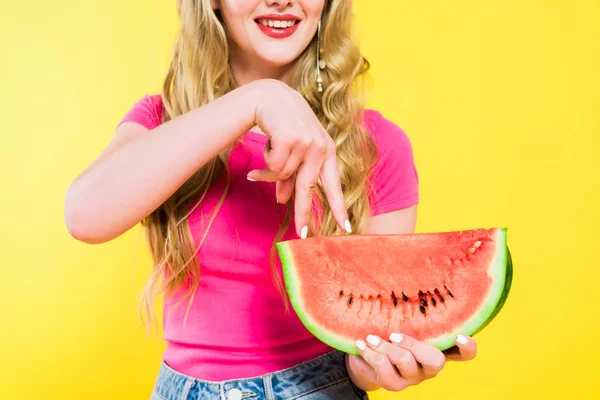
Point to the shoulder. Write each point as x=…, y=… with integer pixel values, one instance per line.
x=394, y=178
x=390, y=139
x=147, y=111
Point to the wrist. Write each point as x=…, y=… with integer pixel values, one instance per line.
x=255, y=93
x=249, y=95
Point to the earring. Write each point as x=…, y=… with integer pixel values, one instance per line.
x=321, y=64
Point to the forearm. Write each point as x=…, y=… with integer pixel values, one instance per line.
x=133, y=181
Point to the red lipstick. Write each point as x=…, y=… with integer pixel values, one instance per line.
x=278, y=33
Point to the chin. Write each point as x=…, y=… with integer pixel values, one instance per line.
x=278, y=60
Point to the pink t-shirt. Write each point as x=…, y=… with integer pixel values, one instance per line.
x=237, y=326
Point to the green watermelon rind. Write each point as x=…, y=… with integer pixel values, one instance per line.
x=506, y=291
x=500, y=271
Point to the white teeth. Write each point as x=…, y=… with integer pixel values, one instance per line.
x=277, y=23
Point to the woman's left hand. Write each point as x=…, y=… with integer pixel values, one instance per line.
x=404, y=362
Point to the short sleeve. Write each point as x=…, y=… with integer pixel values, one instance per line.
x=146, y=112
x=394, y=179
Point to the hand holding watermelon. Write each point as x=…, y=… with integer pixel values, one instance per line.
x=429, y=286
x=426, y=292
x=402, y=362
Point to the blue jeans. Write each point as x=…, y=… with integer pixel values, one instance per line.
x=323, y=378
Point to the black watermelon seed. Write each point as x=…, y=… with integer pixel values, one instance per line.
x=350, y=300
x=422, y=309
x=449, y=293
x=341, y=293
x=433, y=301
x=404, y=298
x=439, y=295
x=394, y=299
x=421, y=293
x=424, y=303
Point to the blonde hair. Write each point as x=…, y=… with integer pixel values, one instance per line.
x=199, y=73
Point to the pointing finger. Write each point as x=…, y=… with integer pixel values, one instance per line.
x=330, y=178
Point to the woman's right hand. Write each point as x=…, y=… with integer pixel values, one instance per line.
x=403, y=361
x=299, y=152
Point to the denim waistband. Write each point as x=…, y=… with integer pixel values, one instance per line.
x=290, y=383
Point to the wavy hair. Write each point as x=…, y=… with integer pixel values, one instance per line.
x=199, y=72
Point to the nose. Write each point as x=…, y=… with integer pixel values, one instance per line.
x=280, y=3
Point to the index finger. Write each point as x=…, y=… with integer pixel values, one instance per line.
x=330, y=178
x=431, y=359
x=401, y=358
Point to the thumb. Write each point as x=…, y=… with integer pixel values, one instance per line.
x=263, y=175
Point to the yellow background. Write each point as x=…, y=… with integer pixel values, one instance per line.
x=501, y=101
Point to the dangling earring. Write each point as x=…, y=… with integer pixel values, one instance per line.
x=321, y=64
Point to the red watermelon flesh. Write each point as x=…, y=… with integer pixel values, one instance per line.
x=431, y=286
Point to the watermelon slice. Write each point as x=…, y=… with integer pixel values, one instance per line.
x=432, y=286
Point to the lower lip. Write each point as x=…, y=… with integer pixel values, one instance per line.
x=278, y=33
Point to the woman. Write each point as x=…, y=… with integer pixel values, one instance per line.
x=260, y=124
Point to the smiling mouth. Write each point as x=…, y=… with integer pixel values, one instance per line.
x=277, y=24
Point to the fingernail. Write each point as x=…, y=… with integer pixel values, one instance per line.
x=373, y=340
x=460, y=339
x=361, y=345
x=396, y=338
x=250, y=179
x=348, y=227
x=304, y=232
